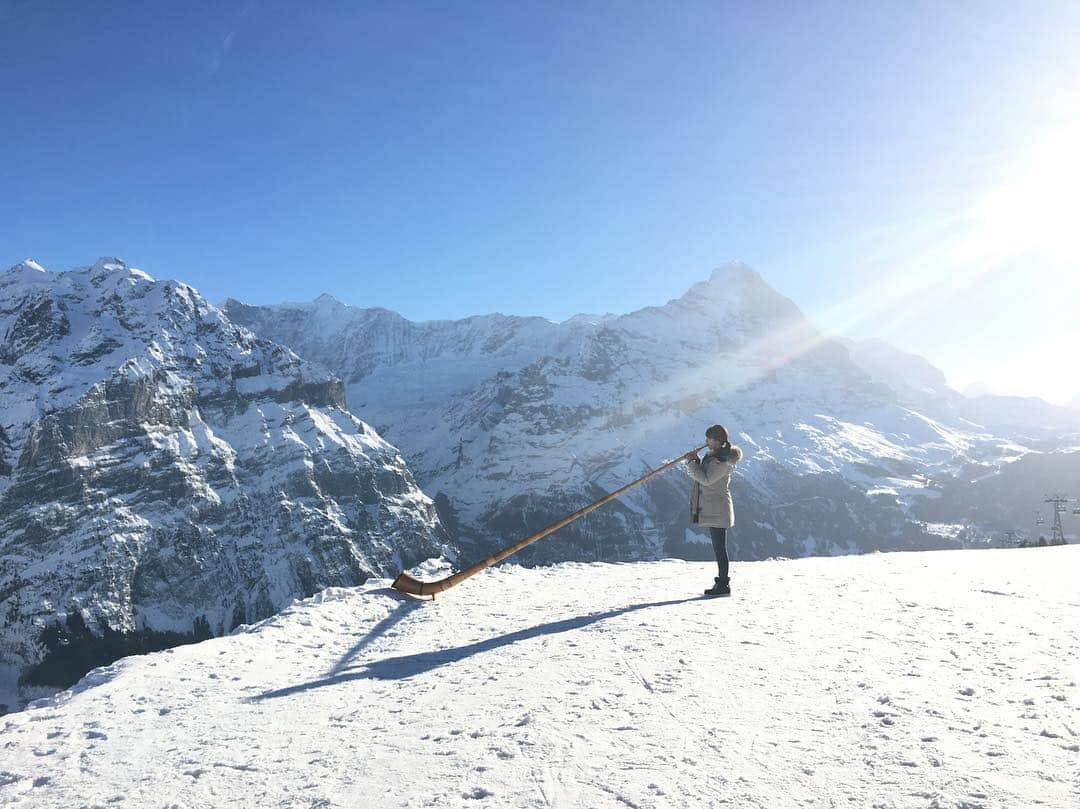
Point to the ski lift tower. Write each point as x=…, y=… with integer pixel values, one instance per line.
x=1059, y=502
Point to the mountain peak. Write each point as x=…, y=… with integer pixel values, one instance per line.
x=27, y=272
x=735, y=272
x=585, y=319
x=110, y=265
x=27, y=265
x=736, y=287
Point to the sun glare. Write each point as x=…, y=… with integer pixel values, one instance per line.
x=1035, y=212
x=1038, y=373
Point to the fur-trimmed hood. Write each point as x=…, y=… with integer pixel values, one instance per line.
x=733, y=454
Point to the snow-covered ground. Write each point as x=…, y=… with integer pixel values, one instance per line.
x=944, y=679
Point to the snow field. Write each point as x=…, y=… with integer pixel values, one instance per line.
x=944, y=679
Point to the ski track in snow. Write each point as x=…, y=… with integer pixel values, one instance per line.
x=944, y=679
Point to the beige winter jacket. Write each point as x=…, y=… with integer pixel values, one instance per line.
x=710, y=496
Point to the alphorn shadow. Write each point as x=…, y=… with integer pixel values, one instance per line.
x=398, y=614
x=406, y=666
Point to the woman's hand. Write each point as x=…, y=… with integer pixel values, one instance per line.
x=690, y=457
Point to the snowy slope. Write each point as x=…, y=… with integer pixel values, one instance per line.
x=922, y=386
x=165, y=474
x=939, y=679
x=896, y=368
x=510, y=423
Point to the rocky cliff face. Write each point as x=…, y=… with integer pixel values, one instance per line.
x=165, y=474
x=511, y=423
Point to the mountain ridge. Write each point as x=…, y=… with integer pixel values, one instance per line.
x=578, y=411
x=166, y=474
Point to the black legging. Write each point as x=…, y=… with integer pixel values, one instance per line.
x=719, y=544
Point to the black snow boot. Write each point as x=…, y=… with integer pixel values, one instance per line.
x=719, y=588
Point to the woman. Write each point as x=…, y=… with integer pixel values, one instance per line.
x=710, y=497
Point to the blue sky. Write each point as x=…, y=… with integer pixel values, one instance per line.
x=446, y=159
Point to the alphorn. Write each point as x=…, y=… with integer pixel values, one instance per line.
x=407, y=584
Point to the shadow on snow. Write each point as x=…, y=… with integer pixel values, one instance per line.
x=405, y=666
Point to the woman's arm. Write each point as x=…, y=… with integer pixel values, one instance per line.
x=709, y=474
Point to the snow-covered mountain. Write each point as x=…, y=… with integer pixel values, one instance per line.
x=165, y=474
x=915, y=382
x=897, y=369
x=915, y=680
x=512, y=422
x=921, y=385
